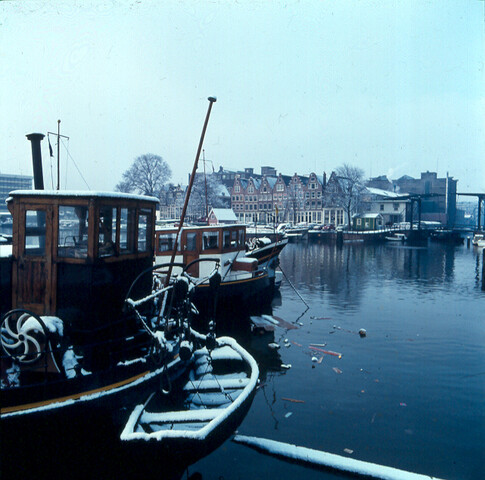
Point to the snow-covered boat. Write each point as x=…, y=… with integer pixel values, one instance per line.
x=267, y=253
x=477, y=238
x=396, y=237
x=74, y=347
x=216, y=396
x=244, y=280
x=297, y=232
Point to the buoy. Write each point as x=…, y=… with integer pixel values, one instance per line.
x=362, y=332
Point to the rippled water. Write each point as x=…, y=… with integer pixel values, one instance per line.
x=408, y=395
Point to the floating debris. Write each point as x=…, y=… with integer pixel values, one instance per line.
x=321, y=318
x=314, y=359
x=286, y=366
x=362, y=332
x=328, y=352
x=274, y=346
x=402, y=404
x=294, y=400
x=347, y=450
x=336, y=370
x=268, y=323
x=289, y=414
x=320, y=359
x=318, y=344
x=297, y=344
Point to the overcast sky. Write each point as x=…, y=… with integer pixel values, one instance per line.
x=394, y=87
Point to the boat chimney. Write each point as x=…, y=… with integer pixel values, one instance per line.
x=35, y=139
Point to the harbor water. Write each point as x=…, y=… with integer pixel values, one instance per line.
x=409, y=394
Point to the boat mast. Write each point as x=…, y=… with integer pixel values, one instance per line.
x=189, y=189
x=206, y=202
x=58, y=135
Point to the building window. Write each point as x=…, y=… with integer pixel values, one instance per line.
x=396, y=206
x=237, y=188
x=381, y=207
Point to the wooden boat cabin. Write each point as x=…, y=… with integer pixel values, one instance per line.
x=75, y=255
x=225, y=242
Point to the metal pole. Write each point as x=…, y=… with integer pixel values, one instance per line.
x=58, y=160
x=205, y=180
x=189, y=188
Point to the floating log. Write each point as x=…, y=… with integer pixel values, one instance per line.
x=318, y=459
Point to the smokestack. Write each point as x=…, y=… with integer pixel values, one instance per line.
x=35, y=139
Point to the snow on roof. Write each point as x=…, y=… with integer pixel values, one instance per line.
x=367, y=215
x=382, y=193
x=272, y=181
x=81, y=194
x=225, y=214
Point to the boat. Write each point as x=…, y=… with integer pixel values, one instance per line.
x=267, y=231
x=396, y=237
x=296, y=233
x=216, y=396
x=244, y=280
x=477, y=238
x=72, y=349
x=443, y=235
x=87, y=327
x=267, y=252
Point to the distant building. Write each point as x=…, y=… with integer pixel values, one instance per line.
x=438, y=203
x=367, y=221
x=389, y=204
x=9, y=183
x=221, y=215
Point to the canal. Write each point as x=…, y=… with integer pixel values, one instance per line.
x=409, y=394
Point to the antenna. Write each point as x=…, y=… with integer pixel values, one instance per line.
x=58, y=135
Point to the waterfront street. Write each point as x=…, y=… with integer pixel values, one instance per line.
x=408, y=395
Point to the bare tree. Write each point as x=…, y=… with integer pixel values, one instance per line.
x=146, y=176
x=207, y=193
x=344, y=189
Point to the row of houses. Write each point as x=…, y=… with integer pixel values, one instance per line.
x=270, y=198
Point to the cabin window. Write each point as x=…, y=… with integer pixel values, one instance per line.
x=72, y=238
x=166, y=242
x=144, y=231
x=35, y=231
x=107, y=231
x=127, y=230
x=240, y=238
x=191, y=242
x=210, y=240
x=226, y=239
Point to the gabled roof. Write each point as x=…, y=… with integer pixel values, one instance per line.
x=272, y=181
x=224, y=214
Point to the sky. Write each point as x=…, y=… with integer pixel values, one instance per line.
x=395, y=88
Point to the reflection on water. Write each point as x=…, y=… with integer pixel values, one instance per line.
x=409, y=394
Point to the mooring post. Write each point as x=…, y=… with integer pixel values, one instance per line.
x=340, y=239
x=483, y=269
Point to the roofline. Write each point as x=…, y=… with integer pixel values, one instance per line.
x=80, y=194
